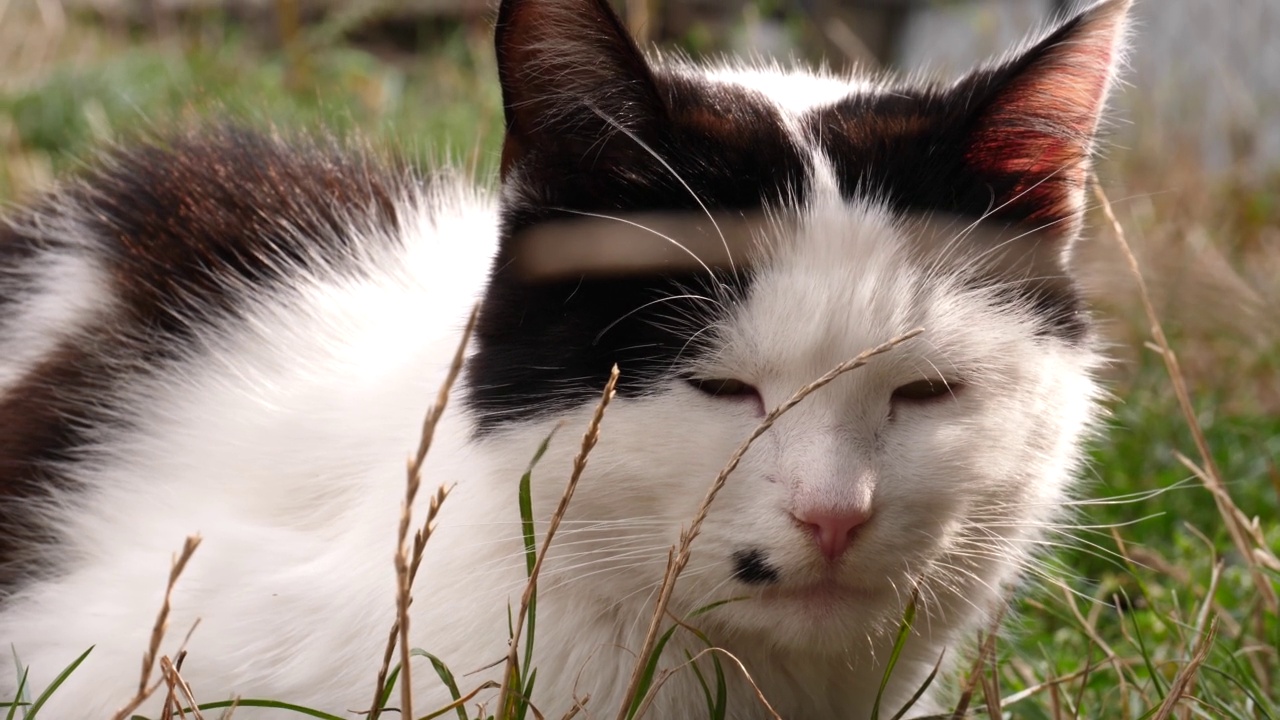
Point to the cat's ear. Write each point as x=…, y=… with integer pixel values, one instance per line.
x=1034, y=118
x=575, y=88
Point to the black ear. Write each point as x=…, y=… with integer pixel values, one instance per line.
x=574, y=86
x=1034, y=118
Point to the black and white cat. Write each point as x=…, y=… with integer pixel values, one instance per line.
x=236, y=335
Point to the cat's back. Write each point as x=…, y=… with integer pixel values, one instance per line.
x=195, y=297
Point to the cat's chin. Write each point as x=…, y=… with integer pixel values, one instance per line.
x=816, y=615
x=827, y=607
x=812, y=618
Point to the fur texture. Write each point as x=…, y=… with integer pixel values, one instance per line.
x=237, y=335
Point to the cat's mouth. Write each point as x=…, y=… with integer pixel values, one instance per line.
x=825, y=593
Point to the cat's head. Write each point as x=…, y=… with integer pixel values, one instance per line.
x=726, y=235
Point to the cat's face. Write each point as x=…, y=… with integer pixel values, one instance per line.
x=775, y=226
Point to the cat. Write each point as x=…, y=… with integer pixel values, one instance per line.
x=237, y=333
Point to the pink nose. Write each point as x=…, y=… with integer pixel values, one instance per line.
x=833, y=530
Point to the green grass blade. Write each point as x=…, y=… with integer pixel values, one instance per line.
x=1245, y=680
x=706, y=689
x=514, y=694
x=651, y=664
x=274, y=704
x=57, y=683
x=720, y=706
x=19, y=699
x=712, y=606
x=1152, y=671
x=530, y=621
x=1260, y=705
x=722, y=690
x=446, y=677
x=524, y=704
x=391, y=684
x=904, y=632
x=920, y=690
x=530, y=559
x=650, y=668
x=526, y=506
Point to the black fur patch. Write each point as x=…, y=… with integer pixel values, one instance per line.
x=752, y=568
x=1011, y=141
x=556, y=341
x=192, y=224
x=634, y=142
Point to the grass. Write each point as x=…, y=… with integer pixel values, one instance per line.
x=52, y=117
x=1191, y=621
x=1156, y=612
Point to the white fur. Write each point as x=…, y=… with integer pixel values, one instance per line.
x=283, y=443
x=68, y=290
x=793, y=90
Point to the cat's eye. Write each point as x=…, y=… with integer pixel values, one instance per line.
x=926, y=390
x=724, y=387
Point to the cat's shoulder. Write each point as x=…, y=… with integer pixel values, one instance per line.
x=201, y=211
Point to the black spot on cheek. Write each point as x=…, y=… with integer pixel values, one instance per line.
x=750, y=567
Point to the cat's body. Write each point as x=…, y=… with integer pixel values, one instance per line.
x=230, y=335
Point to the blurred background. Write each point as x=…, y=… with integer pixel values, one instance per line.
x=1192, y=168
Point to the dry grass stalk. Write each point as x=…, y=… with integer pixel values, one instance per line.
x=1120, y=602
x=1236, y=522
x=679, y=558
x=986, y=650
x=1186, y=676
x=589, y=440
x=1037, y=688
x=579, y=704
x=231, y=711
x=991, y=690
x=1084, y=684
x=1127, y=554
x=1206, y=620
x=462, y=701
x=1208, y=609
x=1087, y=626
x=1262, y=552
x=173, y=678
x=171, y=705
x=145, y=687
x=406, y=564
x=420, y=543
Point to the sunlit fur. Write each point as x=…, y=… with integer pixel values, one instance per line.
x=281, y=439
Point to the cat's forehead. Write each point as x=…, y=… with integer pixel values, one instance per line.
x=793, y=135
x=793, y=91
x=833, y=279
x=792, y=104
